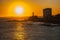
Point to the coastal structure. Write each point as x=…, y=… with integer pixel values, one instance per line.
x=47, y=13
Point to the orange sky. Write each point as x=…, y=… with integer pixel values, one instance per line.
x=37, y=6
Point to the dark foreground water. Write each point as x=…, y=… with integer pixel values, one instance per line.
x=28, y=31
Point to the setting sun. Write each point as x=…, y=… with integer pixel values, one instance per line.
x=19, y=10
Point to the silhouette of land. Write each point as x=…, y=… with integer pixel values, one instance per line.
x=47, y=17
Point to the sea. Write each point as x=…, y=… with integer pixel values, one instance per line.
x=29, y=31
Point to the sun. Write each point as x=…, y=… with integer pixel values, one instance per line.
x=19, y=10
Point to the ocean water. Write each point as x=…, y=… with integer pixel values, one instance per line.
x=28, y=31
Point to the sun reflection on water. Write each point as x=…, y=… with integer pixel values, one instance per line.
x=20, y=33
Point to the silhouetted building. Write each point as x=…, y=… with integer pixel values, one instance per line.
x=33, y=18
x=33, y=14
x=47, y=13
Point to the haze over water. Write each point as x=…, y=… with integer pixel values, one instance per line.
x=28, y=31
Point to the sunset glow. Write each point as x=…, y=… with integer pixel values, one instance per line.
x=19, y=9
x=10, y=8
